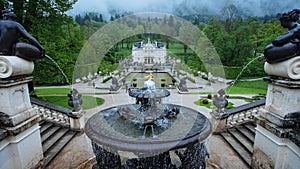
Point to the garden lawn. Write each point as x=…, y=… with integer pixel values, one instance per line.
x=248, y=87
x=58, y=91
x=88, y=101
x=52, y=91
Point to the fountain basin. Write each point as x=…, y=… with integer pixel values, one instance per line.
x=111, y=133
x=157, y=76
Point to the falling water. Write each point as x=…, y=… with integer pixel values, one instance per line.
x=152, y=130
x=244, y=68
x=63, y=73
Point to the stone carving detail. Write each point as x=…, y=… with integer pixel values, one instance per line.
x=220, y=101
x=16, y=56
x=289, y=68
x=5, y=120
x=182, y=85
x=283, y=55
x=115, y=84
x=10, y=66
x=75, y=100
x=285, y=46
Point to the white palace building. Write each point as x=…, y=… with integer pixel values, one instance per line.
x=149, y=53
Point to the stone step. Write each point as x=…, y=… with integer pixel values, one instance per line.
x=44, y=126
x=248, y=145
x=237, y=147
x=247, y=133
x=251, y=127
x=58, y=146
x=53, y=139
x=49, y=132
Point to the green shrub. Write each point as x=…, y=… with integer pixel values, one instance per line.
x=205, y=101
x=106, y=79
x=163, y=79
x=209, y=96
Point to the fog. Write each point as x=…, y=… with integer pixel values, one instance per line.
x=184, y=7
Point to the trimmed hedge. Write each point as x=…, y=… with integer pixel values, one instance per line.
x=106, y=79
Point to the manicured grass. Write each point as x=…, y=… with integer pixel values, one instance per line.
x=49, y=91
x=200, y=103
x=210, y=105
x=88, y=101
x=248, y=87
x=59, y=91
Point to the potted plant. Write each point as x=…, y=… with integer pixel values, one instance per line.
x=134, y=84
x=163, y=80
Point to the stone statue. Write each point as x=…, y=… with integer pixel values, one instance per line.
x=182, y=85
x=220, y=101
x=75, y=100
x=115, y=84
x=149, y=84
x=285, y=46
x=10, y=32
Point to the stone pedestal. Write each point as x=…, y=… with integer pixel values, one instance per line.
x=77, y=122
x=273, y=152
x=277, y=139
x=218, y=121
x=23, y=150
x=20, y=144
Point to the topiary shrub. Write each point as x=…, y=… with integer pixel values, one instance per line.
x=107, y=79
x=205, y=101
x=209, y=96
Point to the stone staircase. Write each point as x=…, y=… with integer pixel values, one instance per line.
x=241, y=139
x=54, y=138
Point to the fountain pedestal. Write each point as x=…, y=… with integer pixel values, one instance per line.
x=21, y=147
x=277, y=140
x=20, y=140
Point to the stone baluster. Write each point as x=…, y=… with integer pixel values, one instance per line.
x=49, y=114
x=55, y=116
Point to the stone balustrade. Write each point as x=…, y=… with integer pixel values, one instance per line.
x=243, y=114
x=52, y=115
x=241, y=117
x=57, y=114
x=238, y=115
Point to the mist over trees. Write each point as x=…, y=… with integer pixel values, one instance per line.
x=236, y=39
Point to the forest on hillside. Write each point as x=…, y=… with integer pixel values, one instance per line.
x=236, y=39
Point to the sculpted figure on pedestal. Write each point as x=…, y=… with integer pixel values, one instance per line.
x=285, y=46
x=10, y=32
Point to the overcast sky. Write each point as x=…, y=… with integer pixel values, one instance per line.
x=184, y=7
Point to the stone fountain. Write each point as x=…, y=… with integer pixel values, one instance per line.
x=150, y=133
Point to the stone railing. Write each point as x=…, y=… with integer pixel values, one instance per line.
x=242, y=114
x=57, y=114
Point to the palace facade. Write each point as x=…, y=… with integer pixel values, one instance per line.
x=149, y=53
